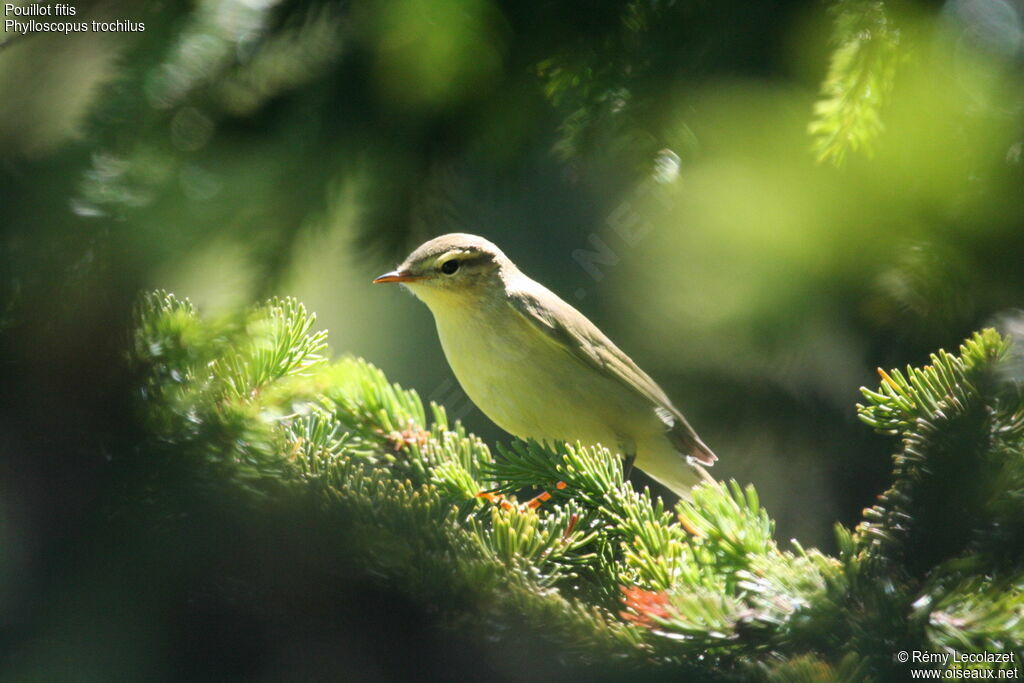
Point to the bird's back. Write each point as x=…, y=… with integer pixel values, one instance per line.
x=574, y=332
x=537, y=379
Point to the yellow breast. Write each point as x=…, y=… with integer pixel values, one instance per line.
x=525, y=382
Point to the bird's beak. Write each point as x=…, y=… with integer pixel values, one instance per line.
x=396, y=276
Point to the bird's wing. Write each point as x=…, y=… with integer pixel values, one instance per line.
x=571, y=330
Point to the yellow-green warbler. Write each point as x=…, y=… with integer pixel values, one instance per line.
x=538, y=368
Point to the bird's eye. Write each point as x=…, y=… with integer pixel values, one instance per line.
x=449, y=267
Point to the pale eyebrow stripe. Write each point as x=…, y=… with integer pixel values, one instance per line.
x=466, y=259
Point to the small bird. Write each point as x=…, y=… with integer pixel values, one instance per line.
x=539, y=368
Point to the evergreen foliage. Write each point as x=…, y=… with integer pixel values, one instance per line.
x=610, y=575
x=861, y=73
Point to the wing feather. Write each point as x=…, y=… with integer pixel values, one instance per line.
x=572, y=331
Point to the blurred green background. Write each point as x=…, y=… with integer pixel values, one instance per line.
x=761, y=202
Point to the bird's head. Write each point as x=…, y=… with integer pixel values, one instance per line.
x=453, y=269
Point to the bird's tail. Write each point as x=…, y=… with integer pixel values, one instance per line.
x=677, y=472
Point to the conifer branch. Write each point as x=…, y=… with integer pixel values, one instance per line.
x=609, y=573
